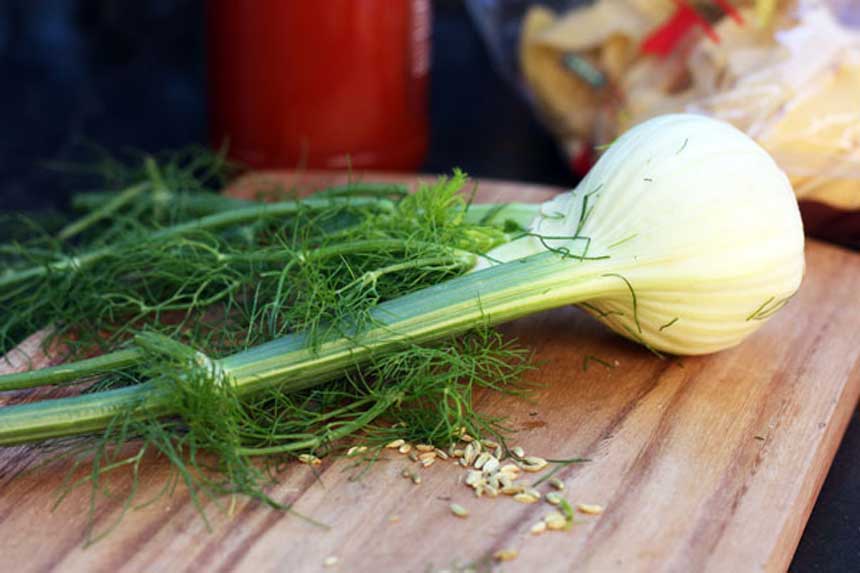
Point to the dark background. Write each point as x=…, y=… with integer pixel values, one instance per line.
x=130, y=75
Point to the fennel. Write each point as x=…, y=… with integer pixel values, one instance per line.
x=652, y=242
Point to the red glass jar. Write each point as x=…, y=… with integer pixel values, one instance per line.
x=320, y=84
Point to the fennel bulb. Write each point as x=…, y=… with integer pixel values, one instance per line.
x=695, y=222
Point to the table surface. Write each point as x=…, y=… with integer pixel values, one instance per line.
x=133, y=78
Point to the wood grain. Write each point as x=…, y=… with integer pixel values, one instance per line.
x=703, y=464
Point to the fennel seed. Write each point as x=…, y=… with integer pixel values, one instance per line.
x=469, y=454
x=518, y=452
x=405, y=448
x=427, y=456
x=330, y=561
x=590, y=508
x=309, y=459
x=424, y=447
x=555, y=521
x=526, y=497
x=481, y=460
x=512, y=470
x=491, y=466
x=505, y=555
x=534, y=464
x=395, y=444
x=557, y=484
x=459, y=510
x=441, y=453
x=356, y=450
x=473, y=477
x=538, y=528
x=554, y=498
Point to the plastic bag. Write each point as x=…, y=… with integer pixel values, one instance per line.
x=785, y=72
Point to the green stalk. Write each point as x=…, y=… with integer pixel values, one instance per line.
x=102, y=210
x=123, y=358
x=70, y=372
x=487, y=297
x=207, y=204
x=209, y=222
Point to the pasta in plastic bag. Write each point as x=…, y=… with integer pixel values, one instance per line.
x=787, y=72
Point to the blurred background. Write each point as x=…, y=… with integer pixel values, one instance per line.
x=79, y=76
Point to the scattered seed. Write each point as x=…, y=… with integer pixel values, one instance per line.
x=518, y=452
x=473, y=477
x=355, y=450
x=491, y=466
x=394, y=518
x=459, y=510
x=534, y=463
x=538, y=528
x=466, y=437
x=469, y=454
x=504, y=480
x=512, y=470
x=557, y=484
x=395, y=444
x=478, y=447
x=491, y=491
x=463, y=462
x=590, y=508
x=441, y=454
x=555, y=521
x=413, y=455
x=479, y=489
x=424, y=448
x=505, y=555
x=330, y=561
x=513, y=490
x=309, y=459
x=405, y=448
x=427, y=456
x=498, y=452
x=428, y=462
x=457, y=453
x=532, y=491
x=554, y=498
x=525, y=497
x=416, y=479
x=489, y=444
x=482, y=459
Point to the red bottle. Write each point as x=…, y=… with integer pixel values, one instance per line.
x=320, y=84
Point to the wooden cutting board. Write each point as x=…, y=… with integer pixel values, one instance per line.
x=702, y=464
